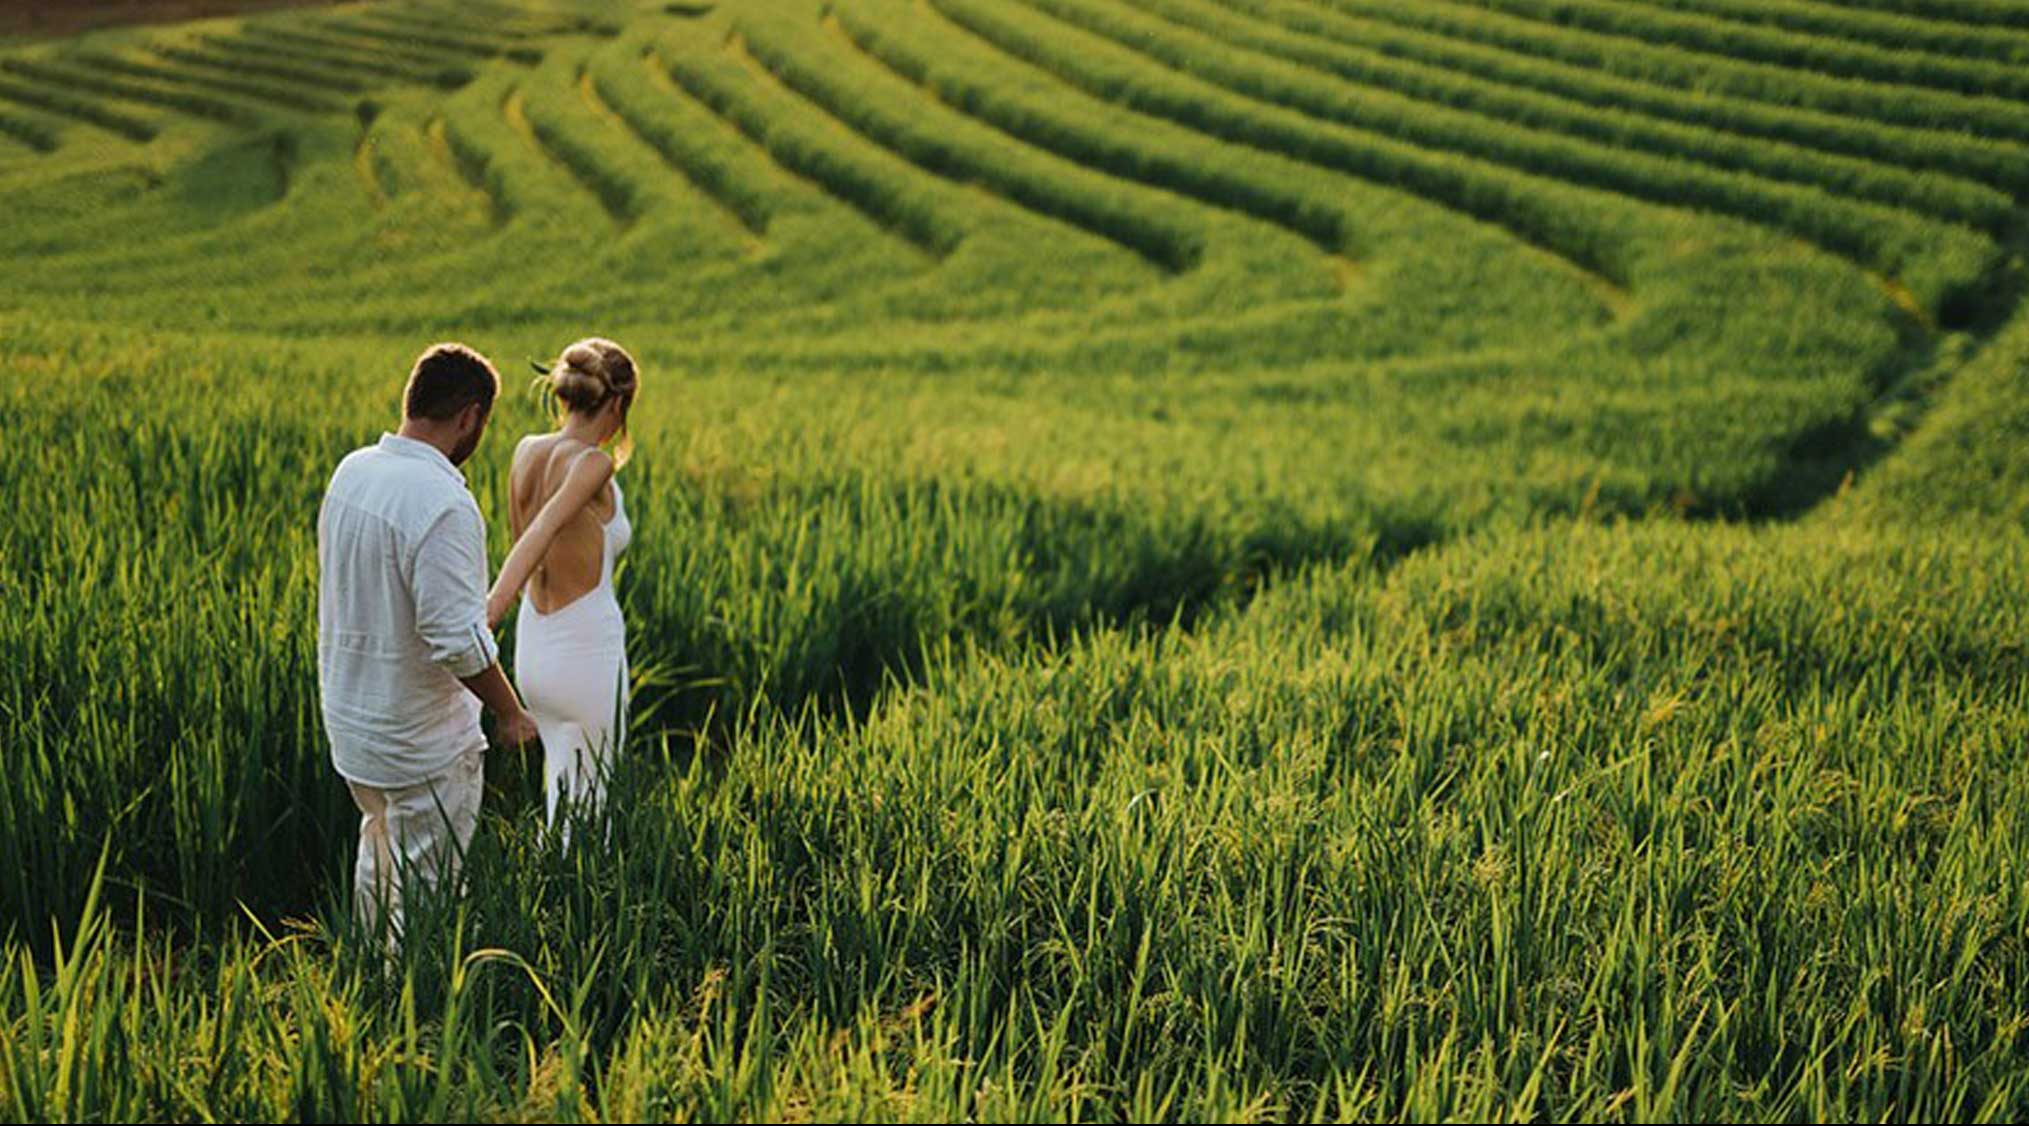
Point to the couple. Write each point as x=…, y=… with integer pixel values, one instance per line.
x=405, y=649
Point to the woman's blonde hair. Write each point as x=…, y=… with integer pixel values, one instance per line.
x=591, y=373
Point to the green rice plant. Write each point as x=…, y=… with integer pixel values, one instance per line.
x=76, y=108
x=1472, y=646
x=38, y=135
x=467, y=163
x=478, y=138
x=1895, y=63
x=1939, y=197
x=1593, y=244
x=75, y=77
x=332, y=50
x=1946, y=260
x=778, y=598
x=515, y=18
x=410, y=40
x=1962, y=462
x=690, y=141
x=1684, y=70
x=1336, y=216
x=345, y=36
x=1371, y=805
x=1894, y=32
x=2000, y=13
x=567, y=114
x=501, y=22
x=265, y=93
x=618, y=193
x=265, y=65
x=1054, y=189
x=500, y=30
x=879, y=189
x=1281, y=26
x=1231, y=250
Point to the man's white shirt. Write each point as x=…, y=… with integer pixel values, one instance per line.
x=401, y=613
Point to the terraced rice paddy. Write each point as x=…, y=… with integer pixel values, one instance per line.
x=1204, y=559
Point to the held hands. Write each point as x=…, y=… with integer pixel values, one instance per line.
x=498, y=603
x=512, y=725
x=515, y=730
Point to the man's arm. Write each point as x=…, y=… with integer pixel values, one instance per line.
x=515, y=727
x=449, y=585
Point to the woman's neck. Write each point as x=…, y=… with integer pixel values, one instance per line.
x=583, y=429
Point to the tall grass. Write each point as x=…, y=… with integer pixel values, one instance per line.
x=1906, y=60
x=875, y=108
x=265, y=66
x=1940, y=260
x=262, y=92
x=85, y=77
x=78, y=108
x=687, y=142
x=334, y=50
x=1692, y=156
x=1896, y=32
x=1313, y=32
x=1597, y=822
x=1665, y=63
x=878, y=188
x=36, y=134
x=1468, y=644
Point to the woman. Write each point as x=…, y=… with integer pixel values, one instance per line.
x=569, y=526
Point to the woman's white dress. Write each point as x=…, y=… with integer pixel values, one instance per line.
x=572, y=668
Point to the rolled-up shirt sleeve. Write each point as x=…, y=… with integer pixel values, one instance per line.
x=448, y=580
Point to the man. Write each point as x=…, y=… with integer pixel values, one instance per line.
x=403, y=653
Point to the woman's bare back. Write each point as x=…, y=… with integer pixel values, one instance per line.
x=573, y=565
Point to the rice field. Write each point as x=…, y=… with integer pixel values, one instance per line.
x=1195, y=559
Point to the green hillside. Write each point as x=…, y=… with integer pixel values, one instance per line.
x=1195, y=559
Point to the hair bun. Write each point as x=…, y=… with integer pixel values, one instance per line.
x=579, y=389
x=582, y=356
x=592, y=371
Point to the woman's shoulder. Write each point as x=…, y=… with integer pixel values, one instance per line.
x=554, y=459
x=542, y=450
x=586, y=458
x=529, y=444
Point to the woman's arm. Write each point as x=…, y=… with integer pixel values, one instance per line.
x=516, y=518
x=587, y=477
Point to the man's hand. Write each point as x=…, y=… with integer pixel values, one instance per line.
x=512, y=726
x=516, y=729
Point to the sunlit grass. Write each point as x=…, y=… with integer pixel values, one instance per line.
x=1248, y=591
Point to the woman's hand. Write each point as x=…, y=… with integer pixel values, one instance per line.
x=498, y=604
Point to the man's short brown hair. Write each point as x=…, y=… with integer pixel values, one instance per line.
x=448, y=378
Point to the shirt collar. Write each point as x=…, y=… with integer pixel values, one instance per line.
x=422, y=451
